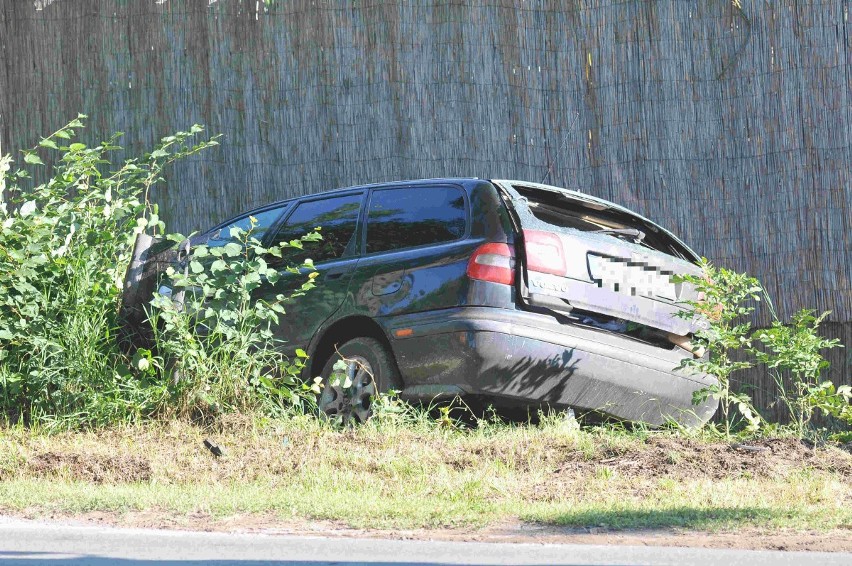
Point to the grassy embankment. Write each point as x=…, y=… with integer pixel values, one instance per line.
x=391, y=475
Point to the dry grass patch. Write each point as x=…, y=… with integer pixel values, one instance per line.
x=419, y=475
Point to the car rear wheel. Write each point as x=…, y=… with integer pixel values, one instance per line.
x=347, y=396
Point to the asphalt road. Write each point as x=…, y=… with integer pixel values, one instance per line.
x=27, y=543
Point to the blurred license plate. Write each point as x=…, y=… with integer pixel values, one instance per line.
x=634, y=277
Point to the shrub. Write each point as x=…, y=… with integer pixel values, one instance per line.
x=727, y=298
x=64, y=247
x=792, y=349
x=216, y=338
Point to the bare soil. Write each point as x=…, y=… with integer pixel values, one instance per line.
x=95, y=468
x=673, y=457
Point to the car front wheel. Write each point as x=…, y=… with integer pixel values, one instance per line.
x=348, y=395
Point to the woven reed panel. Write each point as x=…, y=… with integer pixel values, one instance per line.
x=731, y=127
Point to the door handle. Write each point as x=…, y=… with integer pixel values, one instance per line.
x=335, y=273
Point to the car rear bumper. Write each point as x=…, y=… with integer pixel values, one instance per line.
x=535, y=357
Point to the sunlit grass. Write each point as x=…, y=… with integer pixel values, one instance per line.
x=416, y=474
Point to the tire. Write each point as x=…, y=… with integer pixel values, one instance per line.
x=371, y=370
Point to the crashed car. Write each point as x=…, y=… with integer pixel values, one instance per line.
x=515, y=291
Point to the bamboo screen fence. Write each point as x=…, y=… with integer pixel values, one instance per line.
x=728, y=121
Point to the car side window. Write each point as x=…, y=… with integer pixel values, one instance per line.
x=226, y=234
x=410, y=217
x=337, y=218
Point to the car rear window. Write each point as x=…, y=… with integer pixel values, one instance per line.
x=564, y=212
x=411, y=217
x=336, y=217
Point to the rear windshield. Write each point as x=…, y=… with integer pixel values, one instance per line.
x=563, y=211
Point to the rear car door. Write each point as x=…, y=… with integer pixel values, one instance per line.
x=415, y=251
x=334, y=257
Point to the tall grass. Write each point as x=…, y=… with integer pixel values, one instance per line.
x=64, y=248
x=65, y=244
x=216, y=344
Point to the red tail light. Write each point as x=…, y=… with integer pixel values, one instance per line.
x=493, y=262
x=544, y=252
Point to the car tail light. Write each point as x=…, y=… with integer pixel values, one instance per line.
x=494, y=262
x=544, y=252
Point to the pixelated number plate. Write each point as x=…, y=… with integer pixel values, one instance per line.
x=634, y=277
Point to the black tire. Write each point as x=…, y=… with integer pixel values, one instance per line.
x=371, y=370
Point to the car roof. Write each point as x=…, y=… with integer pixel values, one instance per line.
x=385, y=184
x=395, y=184
x=413, y=183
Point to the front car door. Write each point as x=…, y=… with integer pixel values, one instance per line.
x=334, y=258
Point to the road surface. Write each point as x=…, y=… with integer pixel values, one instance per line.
x=27, y=543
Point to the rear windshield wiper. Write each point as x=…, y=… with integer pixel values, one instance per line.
x=637, y=235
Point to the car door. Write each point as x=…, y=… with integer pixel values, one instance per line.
x=415, y=252
x=334, y=258
x=256, y=224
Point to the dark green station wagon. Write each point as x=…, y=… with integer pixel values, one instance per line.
x=519, y=292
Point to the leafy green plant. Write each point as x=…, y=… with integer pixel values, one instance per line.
x=64, y=247
x=834, y=401
x=791, y=349
x=795, y=349
x=726, y=299
x=216, y=337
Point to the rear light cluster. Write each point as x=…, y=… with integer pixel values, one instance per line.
x=494, y=262
x=544, y=252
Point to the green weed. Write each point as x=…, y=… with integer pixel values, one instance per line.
x=216, y=338
x=64, y=248
x=791, y=351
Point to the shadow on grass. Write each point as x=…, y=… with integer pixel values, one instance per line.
x=685, y=517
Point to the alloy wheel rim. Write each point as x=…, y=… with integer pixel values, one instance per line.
x=348, y=397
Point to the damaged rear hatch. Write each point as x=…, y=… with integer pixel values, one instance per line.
x=602, y=264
